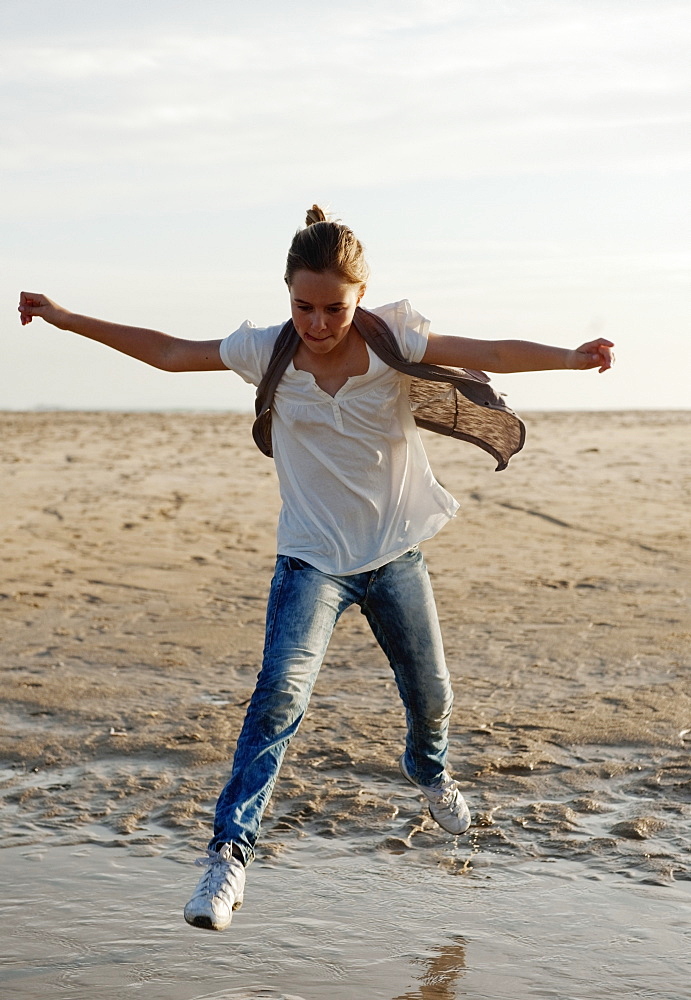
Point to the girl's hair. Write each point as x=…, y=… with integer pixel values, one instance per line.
x=326, y=246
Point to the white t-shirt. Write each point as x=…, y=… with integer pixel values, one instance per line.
x=355, y=482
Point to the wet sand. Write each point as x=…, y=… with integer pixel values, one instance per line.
x=137, y=552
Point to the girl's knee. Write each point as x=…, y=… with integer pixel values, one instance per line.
x=435, y=712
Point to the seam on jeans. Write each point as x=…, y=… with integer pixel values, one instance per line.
x=269, y=628
x=375, y=573
x=370, y=580
x=373, y=618
x=388, y=652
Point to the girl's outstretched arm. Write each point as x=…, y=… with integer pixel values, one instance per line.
x=516, y=355
x=171, y=354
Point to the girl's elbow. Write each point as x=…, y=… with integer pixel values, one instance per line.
x=496, y=363
x=172, y=359
x=162, y=363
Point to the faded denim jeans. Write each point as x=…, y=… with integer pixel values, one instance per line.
x=304, y=606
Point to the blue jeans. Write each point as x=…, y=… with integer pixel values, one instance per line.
x=304, y=606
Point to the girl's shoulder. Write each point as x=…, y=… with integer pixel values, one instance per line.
x=248, y=350
x=410, y=328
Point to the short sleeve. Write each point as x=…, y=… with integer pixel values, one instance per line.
x=248, y=350
x=410, y=328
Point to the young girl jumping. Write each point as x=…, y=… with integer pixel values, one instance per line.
x=358, y=496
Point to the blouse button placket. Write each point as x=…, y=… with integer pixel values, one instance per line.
x=338, y=418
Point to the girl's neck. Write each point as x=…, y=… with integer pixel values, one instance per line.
x=332, y=370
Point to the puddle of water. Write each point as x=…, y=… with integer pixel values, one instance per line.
x=91, y=922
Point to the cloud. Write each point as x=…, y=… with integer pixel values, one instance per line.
x=513, y=162
x=420, y=89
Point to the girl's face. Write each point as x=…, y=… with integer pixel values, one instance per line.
x=322, y=307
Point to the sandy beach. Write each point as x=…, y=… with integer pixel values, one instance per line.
x=137, y=550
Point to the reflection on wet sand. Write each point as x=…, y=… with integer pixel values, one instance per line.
x=441, y=974
x=96, y=923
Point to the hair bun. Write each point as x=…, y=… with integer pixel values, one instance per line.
x=325, y=244
x=315, y=214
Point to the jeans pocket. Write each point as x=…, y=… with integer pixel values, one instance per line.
x=294, y=564
x=412, y=554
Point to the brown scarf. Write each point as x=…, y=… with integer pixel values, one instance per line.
x=453, y=401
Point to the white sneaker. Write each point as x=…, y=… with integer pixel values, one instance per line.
x=446, y=804
x=220, y=890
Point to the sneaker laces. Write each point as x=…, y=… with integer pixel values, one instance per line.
x=445, y=793
x=217, y=866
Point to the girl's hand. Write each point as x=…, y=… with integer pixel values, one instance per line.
x=34, y=304
x=594, y=354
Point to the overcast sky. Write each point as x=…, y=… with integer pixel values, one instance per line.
x=515, y=169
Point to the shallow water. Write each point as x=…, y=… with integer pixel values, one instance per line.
x=615, y=812
x=86, y=922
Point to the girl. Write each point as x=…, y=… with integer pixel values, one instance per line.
x=358, y=497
